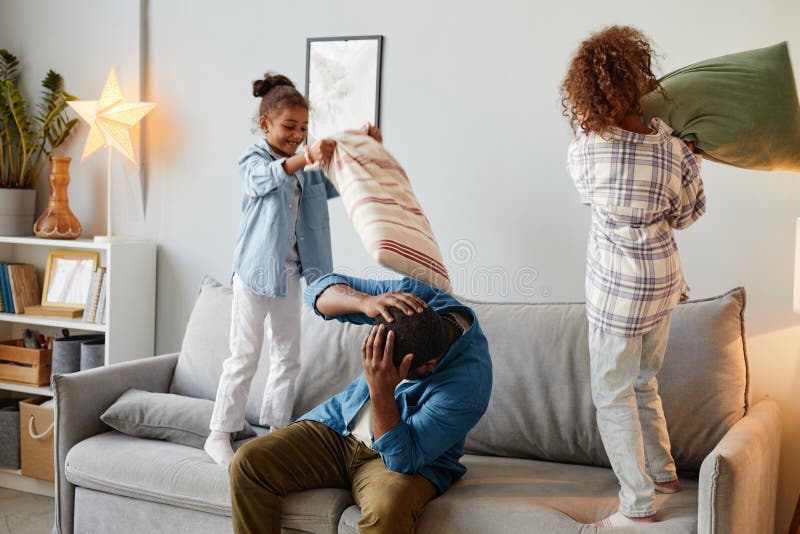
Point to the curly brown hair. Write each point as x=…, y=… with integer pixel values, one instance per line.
x=610, y=72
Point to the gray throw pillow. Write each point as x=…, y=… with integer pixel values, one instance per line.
x=175, y=418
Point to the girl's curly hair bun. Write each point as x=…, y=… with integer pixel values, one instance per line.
x=270, y=80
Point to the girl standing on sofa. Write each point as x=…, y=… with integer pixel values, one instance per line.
x=284, y=234
x=641, y=183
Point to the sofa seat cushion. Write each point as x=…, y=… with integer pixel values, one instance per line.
x=169, y=473
x=529, y=496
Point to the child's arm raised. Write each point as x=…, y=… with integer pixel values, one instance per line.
x=692, y=202
x=321, y=151
x=261, y=177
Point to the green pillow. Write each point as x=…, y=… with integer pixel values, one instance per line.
x=740, y=109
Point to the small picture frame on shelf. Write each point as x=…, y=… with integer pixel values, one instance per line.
x=67, y=280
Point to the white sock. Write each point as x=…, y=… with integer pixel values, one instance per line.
x=218, y=446
x=617, y=519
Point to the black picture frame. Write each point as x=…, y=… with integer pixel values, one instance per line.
x=310, y=43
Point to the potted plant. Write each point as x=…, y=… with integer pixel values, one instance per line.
x=26, y=142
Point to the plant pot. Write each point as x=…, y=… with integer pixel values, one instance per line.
x=17, y=209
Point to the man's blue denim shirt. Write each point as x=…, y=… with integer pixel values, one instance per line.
x=265, y=232
x=436, y=412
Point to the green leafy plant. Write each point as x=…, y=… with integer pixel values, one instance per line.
x=26, y=141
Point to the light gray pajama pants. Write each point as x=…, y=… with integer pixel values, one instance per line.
x=249, y=312
x=629, y=413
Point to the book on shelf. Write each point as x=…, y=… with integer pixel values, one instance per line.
x=5, y=289
x=88, y=303
x=24, y=286
x=101, y=305
x=93, y=299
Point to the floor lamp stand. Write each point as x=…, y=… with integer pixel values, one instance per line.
x=109, y=236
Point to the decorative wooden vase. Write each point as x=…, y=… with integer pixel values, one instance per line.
x=58, y=221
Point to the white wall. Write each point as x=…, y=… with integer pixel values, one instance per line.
x=470, y=107
x=80, y=40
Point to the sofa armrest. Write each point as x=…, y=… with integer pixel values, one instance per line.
x=739, y=478
x=81, y=398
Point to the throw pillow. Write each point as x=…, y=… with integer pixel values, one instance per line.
x=740, y=109
x=384, y=210
x=174, y=418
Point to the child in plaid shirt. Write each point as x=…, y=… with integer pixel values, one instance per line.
x=641, y=183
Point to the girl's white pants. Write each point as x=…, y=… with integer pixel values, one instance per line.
x=249, y=313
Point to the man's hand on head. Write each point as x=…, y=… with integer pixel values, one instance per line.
x=407, y=303
x=377, y=352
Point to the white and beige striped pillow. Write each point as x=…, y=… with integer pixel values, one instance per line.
x=384, y=210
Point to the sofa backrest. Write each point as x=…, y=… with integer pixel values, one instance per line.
x=330, y=354
x=541, y=404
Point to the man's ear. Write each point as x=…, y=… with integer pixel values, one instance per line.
x=426, y=367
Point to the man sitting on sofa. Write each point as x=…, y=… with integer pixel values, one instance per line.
x=395, y=435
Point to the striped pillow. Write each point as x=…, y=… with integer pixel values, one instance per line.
x=384, y=210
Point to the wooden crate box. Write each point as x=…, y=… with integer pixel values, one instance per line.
x=27, y=366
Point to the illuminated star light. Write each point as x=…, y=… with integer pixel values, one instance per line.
x=110, y=119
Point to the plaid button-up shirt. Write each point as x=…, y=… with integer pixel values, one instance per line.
x=639, y=187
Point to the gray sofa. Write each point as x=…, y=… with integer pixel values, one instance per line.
x=535, y=461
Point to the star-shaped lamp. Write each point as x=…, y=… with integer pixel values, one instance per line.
x=110, y=122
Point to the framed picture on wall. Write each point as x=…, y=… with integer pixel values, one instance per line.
x=343, y=83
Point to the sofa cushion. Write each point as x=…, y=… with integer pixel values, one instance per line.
x=741, y=109
x=330, y=354
x=177, y=475
x=528, y=496
x=176, y=418
x=541, y=405
x=384, y=210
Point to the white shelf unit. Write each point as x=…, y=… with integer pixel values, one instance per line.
x=131, y=294
x=130, y=312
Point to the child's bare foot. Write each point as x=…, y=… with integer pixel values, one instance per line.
x=617, y=519
x=671, y=486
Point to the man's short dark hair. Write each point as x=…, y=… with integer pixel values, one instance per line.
x=421, y=334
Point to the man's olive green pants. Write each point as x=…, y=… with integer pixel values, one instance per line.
x=309, y=455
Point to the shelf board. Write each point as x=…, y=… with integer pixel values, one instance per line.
x=14, y=479
x=26, y=388
x=58, y=243
x=85, y=243
x=78, y=324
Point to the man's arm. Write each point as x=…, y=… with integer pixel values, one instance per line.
x=382, y=378
x=441, y=422
x=357, y=300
